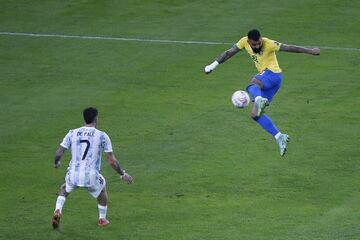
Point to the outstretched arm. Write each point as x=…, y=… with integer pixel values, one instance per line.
x=222, y=58
x=228, y=54
x=299, y=49
x=114, y=163
x=58, y=154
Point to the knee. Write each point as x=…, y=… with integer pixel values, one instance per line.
x=104, y=191
x=63, y=187
x=63, y=190
x=255, y=81
x=254, y=117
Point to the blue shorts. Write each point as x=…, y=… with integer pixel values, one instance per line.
x=271, y=82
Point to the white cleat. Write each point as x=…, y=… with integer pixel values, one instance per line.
x=260, y=104
x=283, y=141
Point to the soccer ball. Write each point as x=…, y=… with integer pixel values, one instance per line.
x=240, y=99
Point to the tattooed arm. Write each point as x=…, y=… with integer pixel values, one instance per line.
x=222, y=58
x=299, y=49
x=58, y=154
x=114, y=163
x=227, y=54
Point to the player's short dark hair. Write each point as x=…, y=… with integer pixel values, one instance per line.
x=90, y=114
x=254, y=34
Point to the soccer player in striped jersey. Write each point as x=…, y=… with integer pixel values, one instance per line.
x=267, y=82
x=86, y=145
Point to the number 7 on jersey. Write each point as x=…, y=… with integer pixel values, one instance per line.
x=86, y=149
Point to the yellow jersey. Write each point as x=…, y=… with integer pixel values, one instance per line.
x=266, y=58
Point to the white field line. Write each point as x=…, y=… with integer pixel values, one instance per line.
x=145, y=40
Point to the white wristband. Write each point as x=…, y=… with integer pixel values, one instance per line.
x=211, y=67
x=214, y=65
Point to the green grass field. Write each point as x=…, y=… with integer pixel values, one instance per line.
x=202, y=169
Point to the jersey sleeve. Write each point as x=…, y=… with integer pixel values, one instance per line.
x=66, y=142
x=241, y=43
x=274, y=45
x=106, y=143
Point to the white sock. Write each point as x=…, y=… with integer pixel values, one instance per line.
x=277, y=135
x=257, y=98
x=60, y=203
x=102, y=211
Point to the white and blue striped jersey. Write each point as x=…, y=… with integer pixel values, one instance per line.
x=86, y=145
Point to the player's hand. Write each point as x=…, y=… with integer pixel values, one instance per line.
x=127, y=178
x=209, y=68
x=315, y=51
x=57, y=165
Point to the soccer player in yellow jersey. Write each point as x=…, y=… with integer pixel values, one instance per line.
x=267, y=82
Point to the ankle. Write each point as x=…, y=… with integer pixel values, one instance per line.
x=277, y=135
